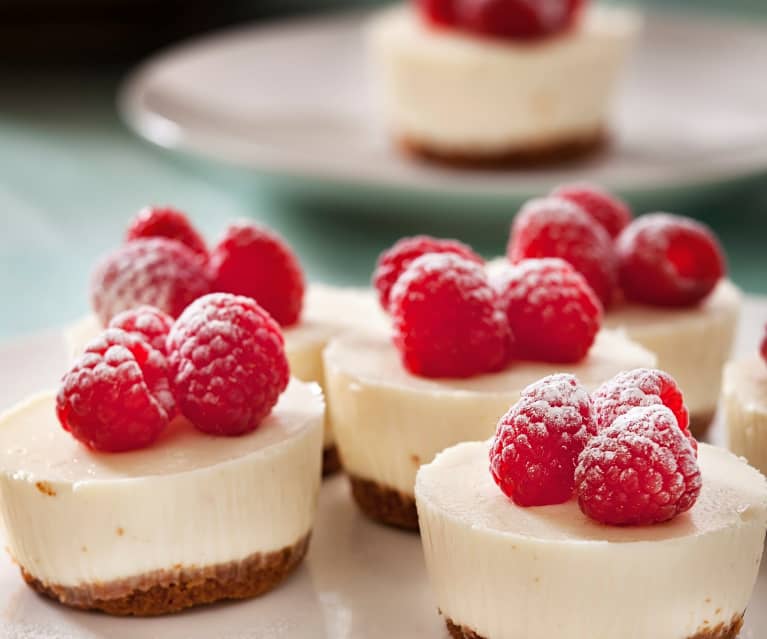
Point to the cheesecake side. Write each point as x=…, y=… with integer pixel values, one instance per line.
x=744, y=397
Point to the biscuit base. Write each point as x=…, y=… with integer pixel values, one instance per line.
x=383, y=504
x=166, y=591
x=721, y=631
x=540, y=154
x=700, y=423
x=331, y=461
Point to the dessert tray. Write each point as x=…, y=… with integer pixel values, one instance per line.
x=360, y=579
x=280, y=100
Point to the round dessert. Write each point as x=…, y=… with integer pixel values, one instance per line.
x=455, y=96
x=191, y=520
x=499, y=570
x=388, y=421
x=744, y=394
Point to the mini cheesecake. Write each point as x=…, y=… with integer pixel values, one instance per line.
x=744, y=396
x=692, y=344
x=500, y=571
x=191, y=520
x=388, y=422
x=457, y=97
x=328, y=311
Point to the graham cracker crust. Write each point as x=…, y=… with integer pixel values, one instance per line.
x=331, y=462
x=700, y=423
x=720, y=631
x=166, y=591
x=383, y=504
x=542, y=154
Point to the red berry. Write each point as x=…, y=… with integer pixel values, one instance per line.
x=447, y=318
x=393, y=261
x=669, y=260
x=553, y=313
x=253, y=261
x=611, y=212
x=517, y=19
x=117, y=396
x=228, y=364
x=155, y=271
x=537, y=443
x=553, y=227
x=164, y=221
x=764, y=347
x=440, y=13
x=641, y=470
x=147, y=323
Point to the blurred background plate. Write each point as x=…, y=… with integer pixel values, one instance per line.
x=281, y=100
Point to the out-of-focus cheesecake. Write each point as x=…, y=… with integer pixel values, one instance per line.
x=744, y=395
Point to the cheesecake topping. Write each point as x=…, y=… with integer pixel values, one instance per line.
x=147, y=323
x=612, y=213
x=165, y=221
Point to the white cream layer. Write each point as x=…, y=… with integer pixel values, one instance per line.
x=388, y=422
x=537, y=573
x=72, y=516
x=744, y=394
x=455, y=92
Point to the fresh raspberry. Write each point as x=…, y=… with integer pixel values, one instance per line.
x=553, y=313
x=117, y=396
x=156, y=271
x=553, y=227
x=440, y=13
x=611, y=212
x=228, y=364
x=669, y=260
x=764, y=347
x=147, y=323
x=447, y=318
x=641, y=470
x=537, y=443
x=393, y=261
x=517, y=19
x=253, y=261
x=164, y=221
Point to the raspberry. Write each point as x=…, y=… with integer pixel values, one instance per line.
x=117, y=396
x=764, y=347
x=641, y=470
x=553, y=227
x=518, y=19
x=553, y=313
x=154, y=271
x=668, y=260
x=612, y=213
x=393, y=261
x=440, y=13
x=227, y=362
x=147, y=323
x=537, y=443
x=447, y=319
x=157, y=221
x=253, y=261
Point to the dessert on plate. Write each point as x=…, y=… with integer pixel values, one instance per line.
x=141, y=273
x=744, y=395
x=499, y=81
x=171, y=478
x=661, y=278
x=463, y=349
x=588, y=518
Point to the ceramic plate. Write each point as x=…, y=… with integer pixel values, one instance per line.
x=293, y=100
x=360, y=580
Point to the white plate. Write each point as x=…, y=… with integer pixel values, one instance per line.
x=293, y=99
x=360, y=580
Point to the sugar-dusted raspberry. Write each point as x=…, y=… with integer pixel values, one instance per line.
x=117, y=396
x=164, y=221
x=669, y=260
x=254, y=261
x=147, y=322
x=641, y=470
x=517, y=19
x=393, y=261
x=554, y=227
x=156, y=271
x=227, y=362
x=553, y=313
x=611, y=212
x=447, y=318
x=537, y=443
x=440, y=13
